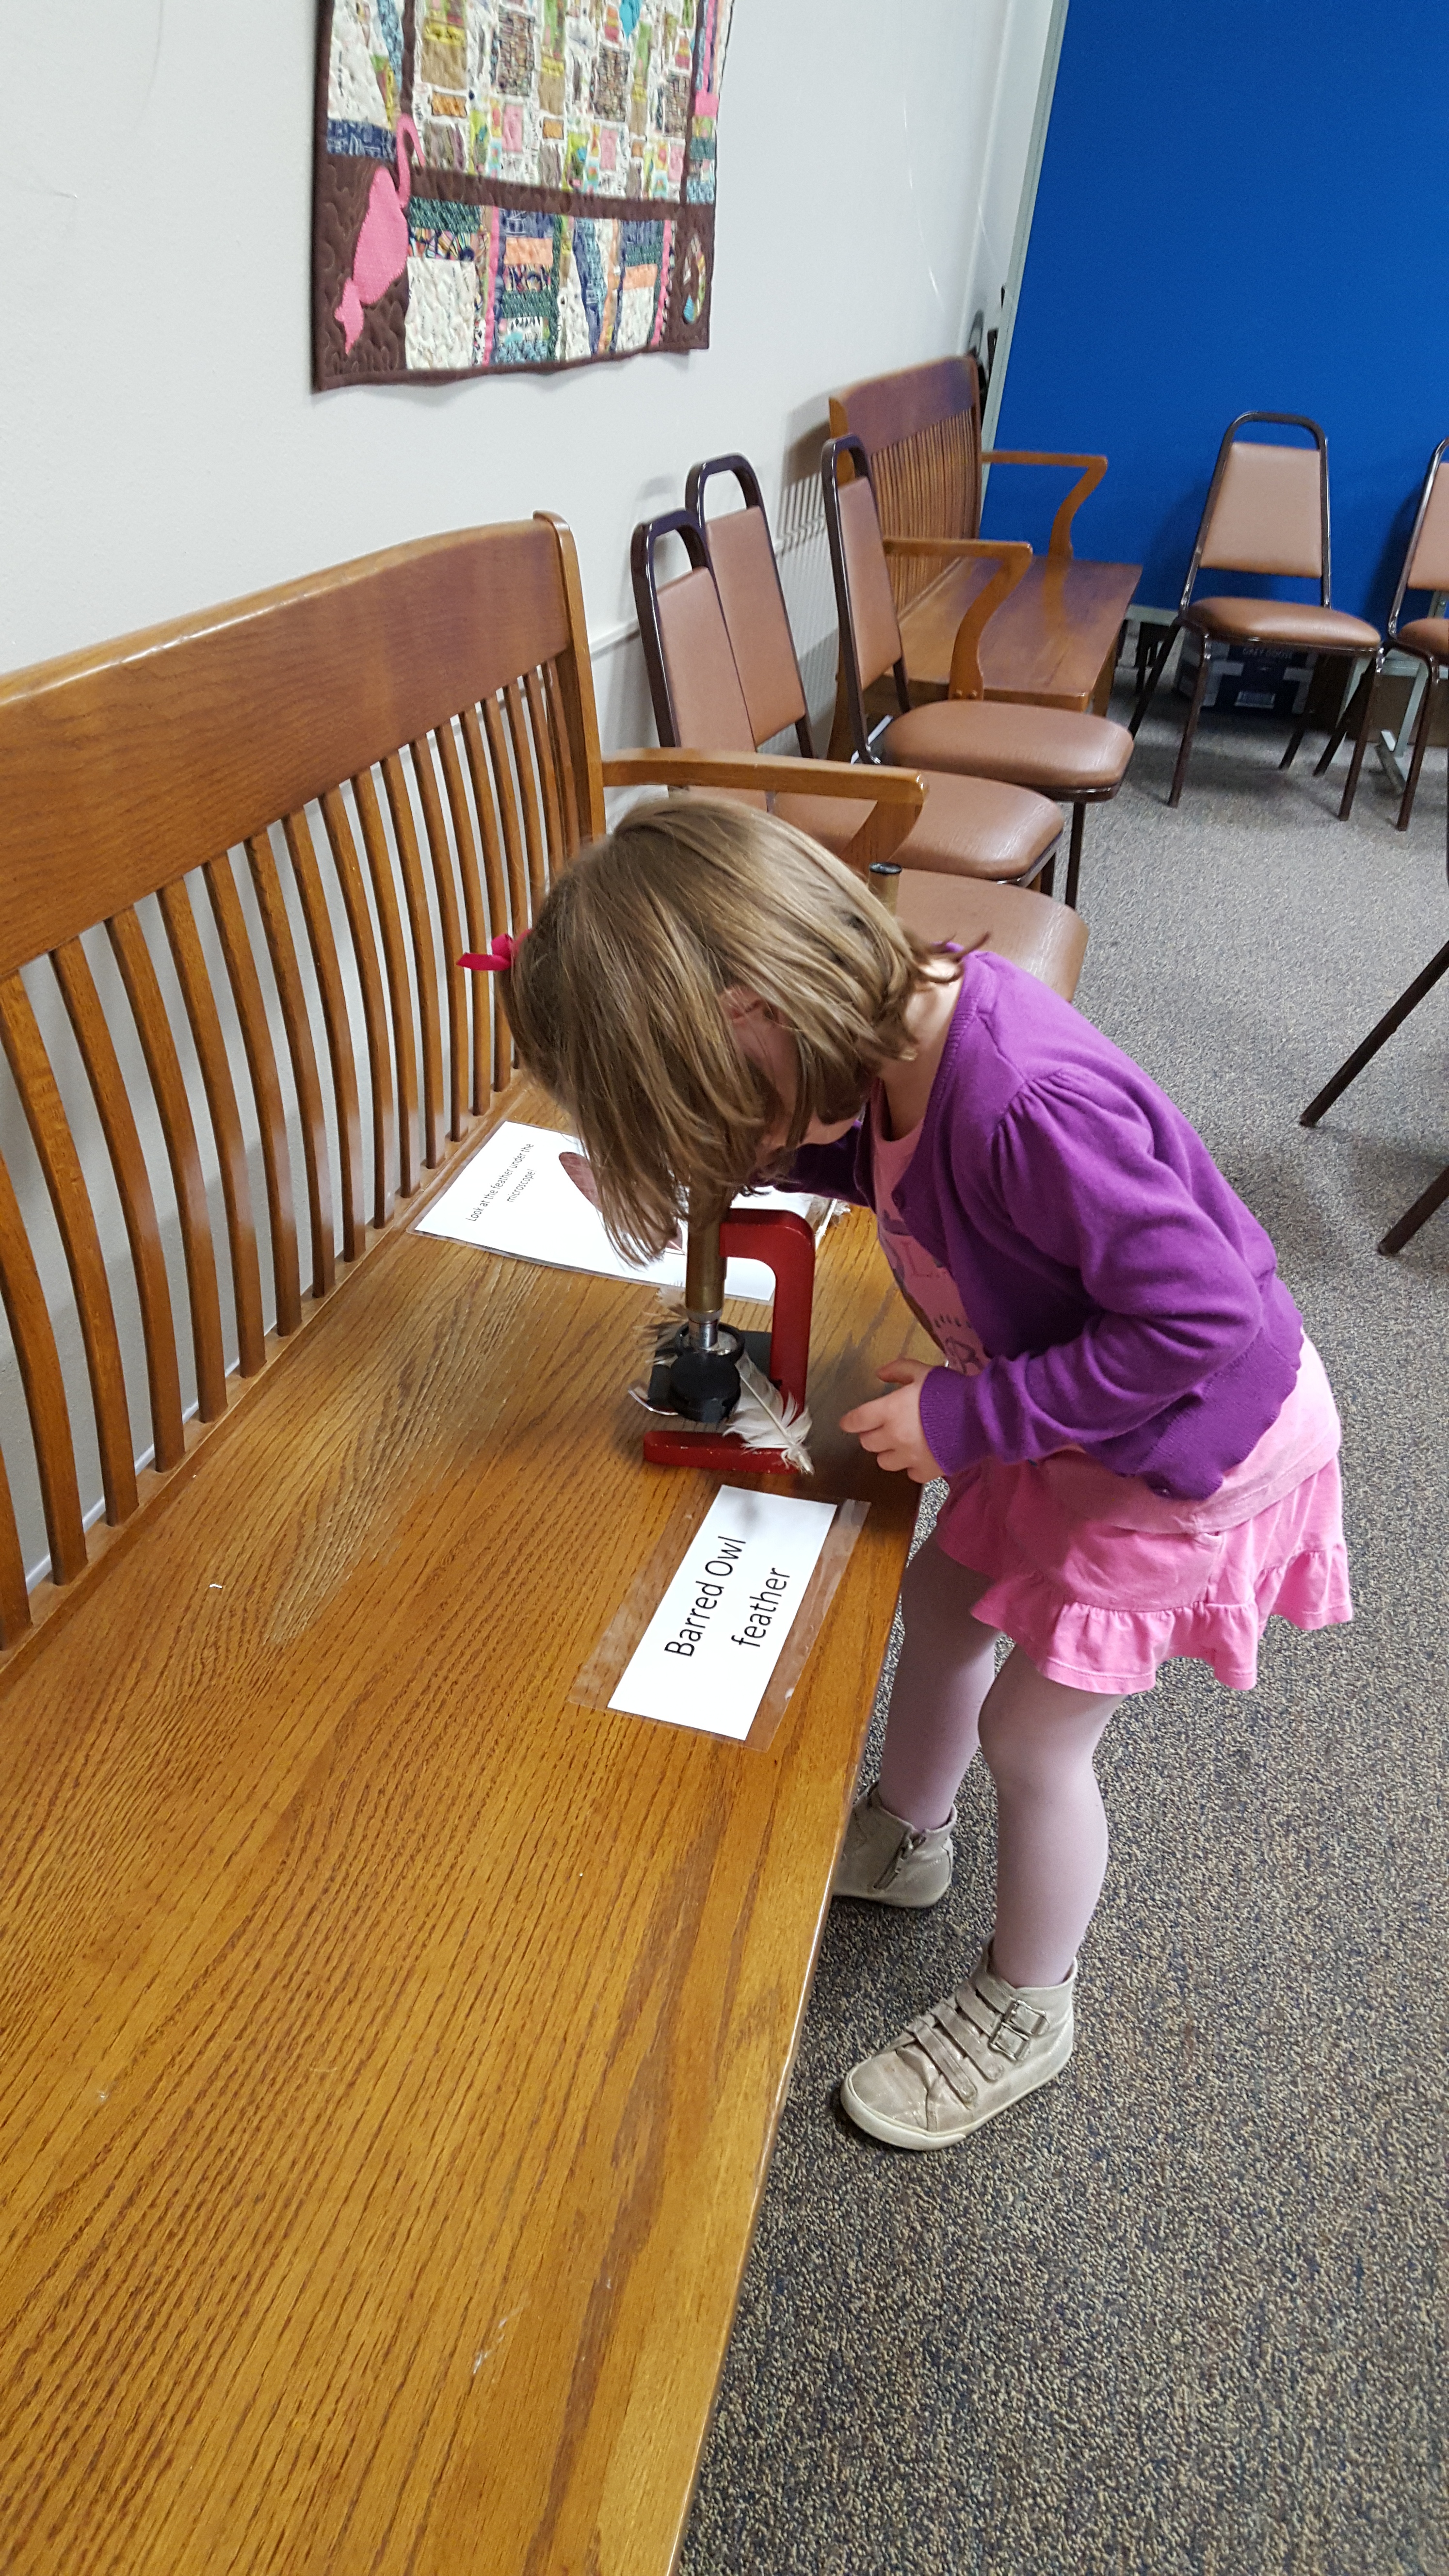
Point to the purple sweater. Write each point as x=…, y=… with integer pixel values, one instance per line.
x=1131, y=1304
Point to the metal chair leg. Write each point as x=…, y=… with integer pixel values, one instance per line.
x=1190, y=728
x=1421, y=745
x=1074, y=855
x=1331, y=747
x=1148, y=691
x=1419, y=1214
x=1047, y=879
x=1393, y=1018
x=1294, y=739
x=1350, y=784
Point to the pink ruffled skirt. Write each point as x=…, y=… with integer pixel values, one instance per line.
x=1089, y=1576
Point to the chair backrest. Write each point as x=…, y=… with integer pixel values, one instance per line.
x=1267, y=507
x=921, y=429
x=1426, y=557
x=747, y=576
x=870, y=635
x=258, y=838
x=699, y=703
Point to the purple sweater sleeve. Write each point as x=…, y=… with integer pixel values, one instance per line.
x=1081, y=1176
x=828, y=1171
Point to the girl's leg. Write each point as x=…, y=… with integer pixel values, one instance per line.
x=1038, y=1738
x=945, y=1670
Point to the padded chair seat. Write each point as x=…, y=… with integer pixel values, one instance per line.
x=1048, y=748
x=968, y=827
x=1426, y=635
x=1283, y=621
x=1044, y=937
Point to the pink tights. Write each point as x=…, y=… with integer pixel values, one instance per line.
x=1037, y=1738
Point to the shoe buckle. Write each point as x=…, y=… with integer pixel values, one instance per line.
x=1008, y=2028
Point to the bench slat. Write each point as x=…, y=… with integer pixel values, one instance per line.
x=506, y=794
x=39, y=1364
x=297, y=833
x=251, y=1009
x=54, y=1144
x=281, y=947
x=138, y=1202
x=466, y=845
x=558, y=734
x=496, y=884
x=521, y=746
x=374, y=1007
x=144, y=993
x=399, y=996
x=454, y=984
x=424, y=957
x=543, y=752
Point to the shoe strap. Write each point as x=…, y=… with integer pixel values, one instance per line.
x=969, y=2032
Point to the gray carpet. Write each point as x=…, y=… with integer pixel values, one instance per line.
x=1178, y=2313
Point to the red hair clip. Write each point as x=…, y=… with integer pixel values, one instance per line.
x=499, y=955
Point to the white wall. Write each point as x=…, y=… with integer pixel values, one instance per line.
x=160, y=448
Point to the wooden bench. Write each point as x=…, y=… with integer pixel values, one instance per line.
x=393, y=2045
x=1053, y=642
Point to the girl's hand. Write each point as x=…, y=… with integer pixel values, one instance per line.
x=890, y=1426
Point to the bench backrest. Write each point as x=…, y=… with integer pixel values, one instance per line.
x=330, y=790
x=921, y=429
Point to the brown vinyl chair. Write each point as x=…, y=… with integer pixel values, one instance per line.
x=1266, y=512
x=1425, y=567
x=1077, y=759
x=966, y=858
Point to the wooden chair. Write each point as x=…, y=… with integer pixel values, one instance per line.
x=1266, y=512
x=1425, y=567
x=1054, y=641
x=970, y=833
x=1081, y=759
x=389, y=2024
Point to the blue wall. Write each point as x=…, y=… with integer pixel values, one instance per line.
x=1242, y=207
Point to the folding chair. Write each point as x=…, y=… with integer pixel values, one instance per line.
x=1425, y=567
x=1266, y=512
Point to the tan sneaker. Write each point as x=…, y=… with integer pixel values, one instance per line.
x=887, y=1862
x=955, y=2068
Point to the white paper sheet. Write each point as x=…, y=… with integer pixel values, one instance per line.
x=707, y=1655
x=518, y=1195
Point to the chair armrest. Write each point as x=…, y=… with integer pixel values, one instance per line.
x=895, y=796
x=1095, y=467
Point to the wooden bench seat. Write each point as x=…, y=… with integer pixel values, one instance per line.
x=393, y=2045
x=1053, y=642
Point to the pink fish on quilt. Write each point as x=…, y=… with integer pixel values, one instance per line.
x=381, y=253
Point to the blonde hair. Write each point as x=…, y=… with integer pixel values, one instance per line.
x=615, y=1001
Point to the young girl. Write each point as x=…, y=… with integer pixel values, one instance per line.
x=1140, y=1444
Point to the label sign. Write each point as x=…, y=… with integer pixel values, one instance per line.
x=706, y=1657
x=527, y=1192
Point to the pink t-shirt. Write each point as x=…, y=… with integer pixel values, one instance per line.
x=1304, y=1437
x=922, y=1282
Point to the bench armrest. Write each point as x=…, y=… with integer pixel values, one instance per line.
x=895, y=796
x=958, y=548
x=1094, y=467
x=1012, y=557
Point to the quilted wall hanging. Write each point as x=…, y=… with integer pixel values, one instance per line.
x=512, y=183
